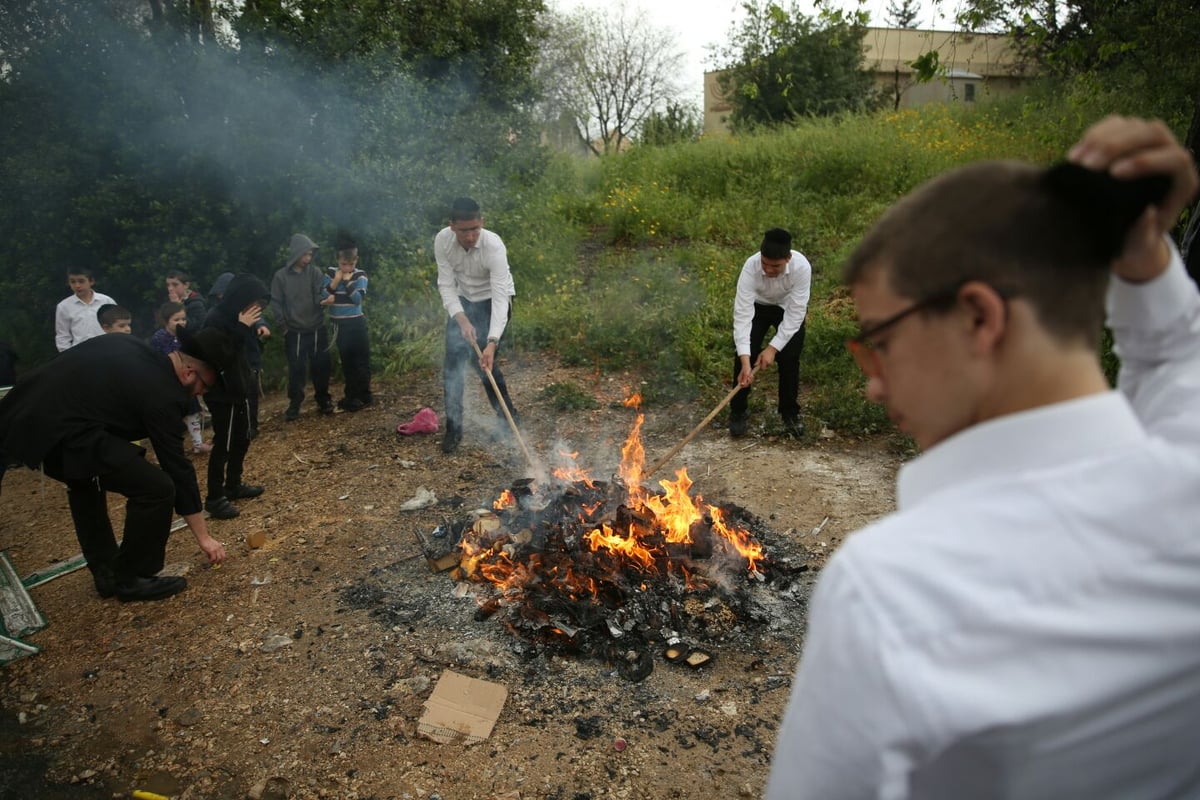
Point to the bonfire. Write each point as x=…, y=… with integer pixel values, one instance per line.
x=612, y=569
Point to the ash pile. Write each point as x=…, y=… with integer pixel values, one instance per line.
x=610, y=571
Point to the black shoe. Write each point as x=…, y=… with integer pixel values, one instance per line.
x=452, y=439
x=292, y=414
x=159, y=588
x=105, y=580
x=792, y=426
x=367, y=400
x=325, y=408
x=242, y=492
x=221, y=508
x=352, y=404
x=739, y=424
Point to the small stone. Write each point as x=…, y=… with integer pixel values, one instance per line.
x=276, y=642
x=190, y=717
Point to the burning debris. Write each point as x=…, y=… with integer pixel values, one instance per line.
x=611, y=570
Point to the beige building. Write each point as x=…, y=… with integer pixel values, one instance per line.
x=972, y=68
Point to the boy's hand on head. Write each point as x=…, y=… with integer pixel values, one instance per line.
x=1128, y=147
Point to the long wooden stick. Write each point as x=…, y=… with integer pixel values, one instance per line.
x=703, y=423
x=533, y=464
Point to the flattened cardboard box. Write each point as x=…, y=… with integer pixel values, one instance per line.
x=461, y=708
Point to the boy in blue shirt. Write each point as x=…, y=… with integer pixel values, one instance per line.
x=345, y=285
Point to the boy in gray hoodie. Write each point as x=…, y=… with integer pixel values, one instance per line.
x=298, y=302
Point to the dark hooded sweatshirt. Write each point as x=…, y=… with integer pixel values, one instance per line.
x=238, y=382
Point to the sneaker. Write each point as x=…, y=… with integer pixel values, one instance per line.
x=325, y=408
x=352, y=404
x=793, y=427
x=739, y=424
x=242, y=492
x=292, y=414
x=452, y=439
x=203, y=447
x=221, y=508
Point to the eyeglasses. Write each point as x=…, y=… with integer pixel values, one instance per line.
x=864, y=349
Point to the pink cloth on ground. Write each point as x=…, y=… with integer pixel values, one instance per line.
x=426, y=421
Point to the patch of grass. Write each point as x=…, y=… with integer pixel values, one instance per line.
x=569, y=396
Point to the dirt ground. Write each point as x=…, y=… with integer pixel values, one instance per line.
x=262, y=680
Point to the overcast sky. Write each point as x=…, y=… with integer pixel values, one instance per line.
x=697, y=23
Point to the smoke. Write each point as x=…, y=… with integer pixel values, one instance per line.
x=142, y=151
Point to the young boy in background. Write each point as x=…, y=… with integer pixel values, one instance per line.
x=114, y=318
x=346, y=284
x=179, y=290
x=173, y=316
x=75, y=317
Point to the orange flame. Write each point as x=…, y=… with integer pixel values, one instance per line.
x=572, y=473
x=745, y=546
x=675, y=511
x=629, y=546
x=633, y=462
x=660, y=524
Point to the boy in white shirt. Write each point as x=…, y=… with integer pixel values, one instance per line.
x=1024, y=626
x=75, y=317
x=477, y=288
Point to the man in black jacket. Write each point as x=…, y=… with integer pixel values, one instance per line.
x=78, y=417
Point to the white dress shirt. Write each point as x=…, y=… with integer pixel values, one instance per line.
x=1027, y=624
x=789, y=290
x=478, y=274
x=75, y=321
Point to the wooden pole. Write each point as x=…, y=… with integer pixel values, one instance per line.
x=703, y=423
x=533, y=464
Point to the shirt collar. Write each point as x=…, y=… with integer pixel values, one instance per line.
x=1088, y=427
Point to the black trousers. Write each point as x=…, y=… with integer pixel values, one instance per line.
x=459, y=353
x=149, y=504
x=787, y=359
x=354, y=348
x=305, y=350
x=231, y=441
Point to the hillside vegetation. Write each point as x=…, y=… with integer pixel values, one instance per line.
x=632, y=261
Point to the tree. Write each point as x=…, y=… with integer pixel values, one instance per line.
x=903, y=14
x=606, y=73
x=199, y=134
x=1140, y=50
x=677, y=123
x=781, y=64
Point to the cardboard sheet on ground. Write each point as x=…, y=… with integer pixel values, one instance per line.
x=461, y=708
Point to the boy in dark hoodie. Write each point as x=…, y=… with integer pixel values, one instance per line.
x=240, y=307
x=298, y=302
x=262, y=332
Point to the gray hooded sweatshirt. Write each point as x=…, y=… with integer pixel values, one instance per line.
x=296, y=294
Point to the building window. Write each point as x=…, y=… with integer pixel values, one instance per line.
x=968, y=92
